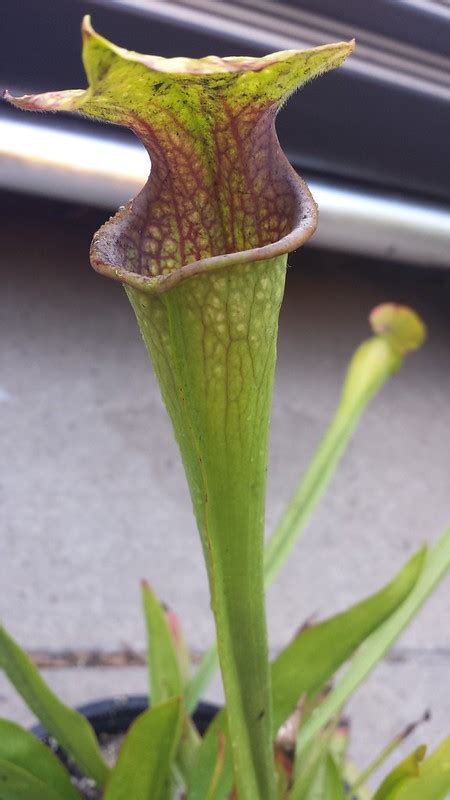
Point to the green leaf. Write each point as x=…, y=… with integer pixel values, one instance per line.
x=310, y=770
x=407, y=768
x=142, y=771
x=334, y=788
x=218, y=770
x=317, y=652
x=213, y=765
x=179, y=645
x=165, y=675
x=19, y=784
x=436, y=566
x=325, y=784
x=308, y=663
x=71, y=730
x=433, y=781
x=166, y=665
x=21, y=748
x=339, y=743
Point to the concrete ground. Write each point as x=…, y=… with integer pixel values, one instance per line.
x=93, y=497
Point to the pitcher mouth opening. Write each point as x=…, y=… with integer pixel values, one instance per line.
x=107, y=245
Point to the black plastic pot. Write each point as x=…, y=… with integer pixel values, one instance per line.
x=115, y=715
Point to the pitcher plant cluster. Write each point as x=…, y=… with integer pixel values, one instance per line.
x=202, y=252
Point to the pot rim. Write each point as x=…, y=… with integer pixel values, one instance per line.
x=115, y=714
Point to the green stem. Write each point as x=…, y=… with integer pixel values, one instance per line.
x=311, y=488
x=374, y=765
x=201, y=678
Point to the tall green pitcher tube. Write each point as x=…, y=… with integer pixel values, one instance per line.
x=202, y=254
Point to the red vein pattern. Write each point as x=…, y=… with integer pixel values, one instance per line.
x=233, y=192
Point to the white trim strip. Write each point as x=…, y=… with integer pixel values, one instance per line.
x=85, y=168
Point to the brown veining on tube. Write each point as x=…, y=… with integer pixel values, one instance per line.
x=236, y=200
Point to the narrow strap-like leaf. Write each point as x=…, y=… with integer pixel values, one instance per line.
x=18, y=784
x=308, y=662
x=142, y=771
x=326, y=783
x=71, y=730
x=309, y=771
x=334, y=788
x=201, y=678
x=19, y=747
x=213, y=766
x=306, y=665
x=436, y=567
x=218, y=768
x=166, y=676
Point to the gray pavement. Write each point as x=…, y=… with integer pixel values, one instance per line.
x=93, y=497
